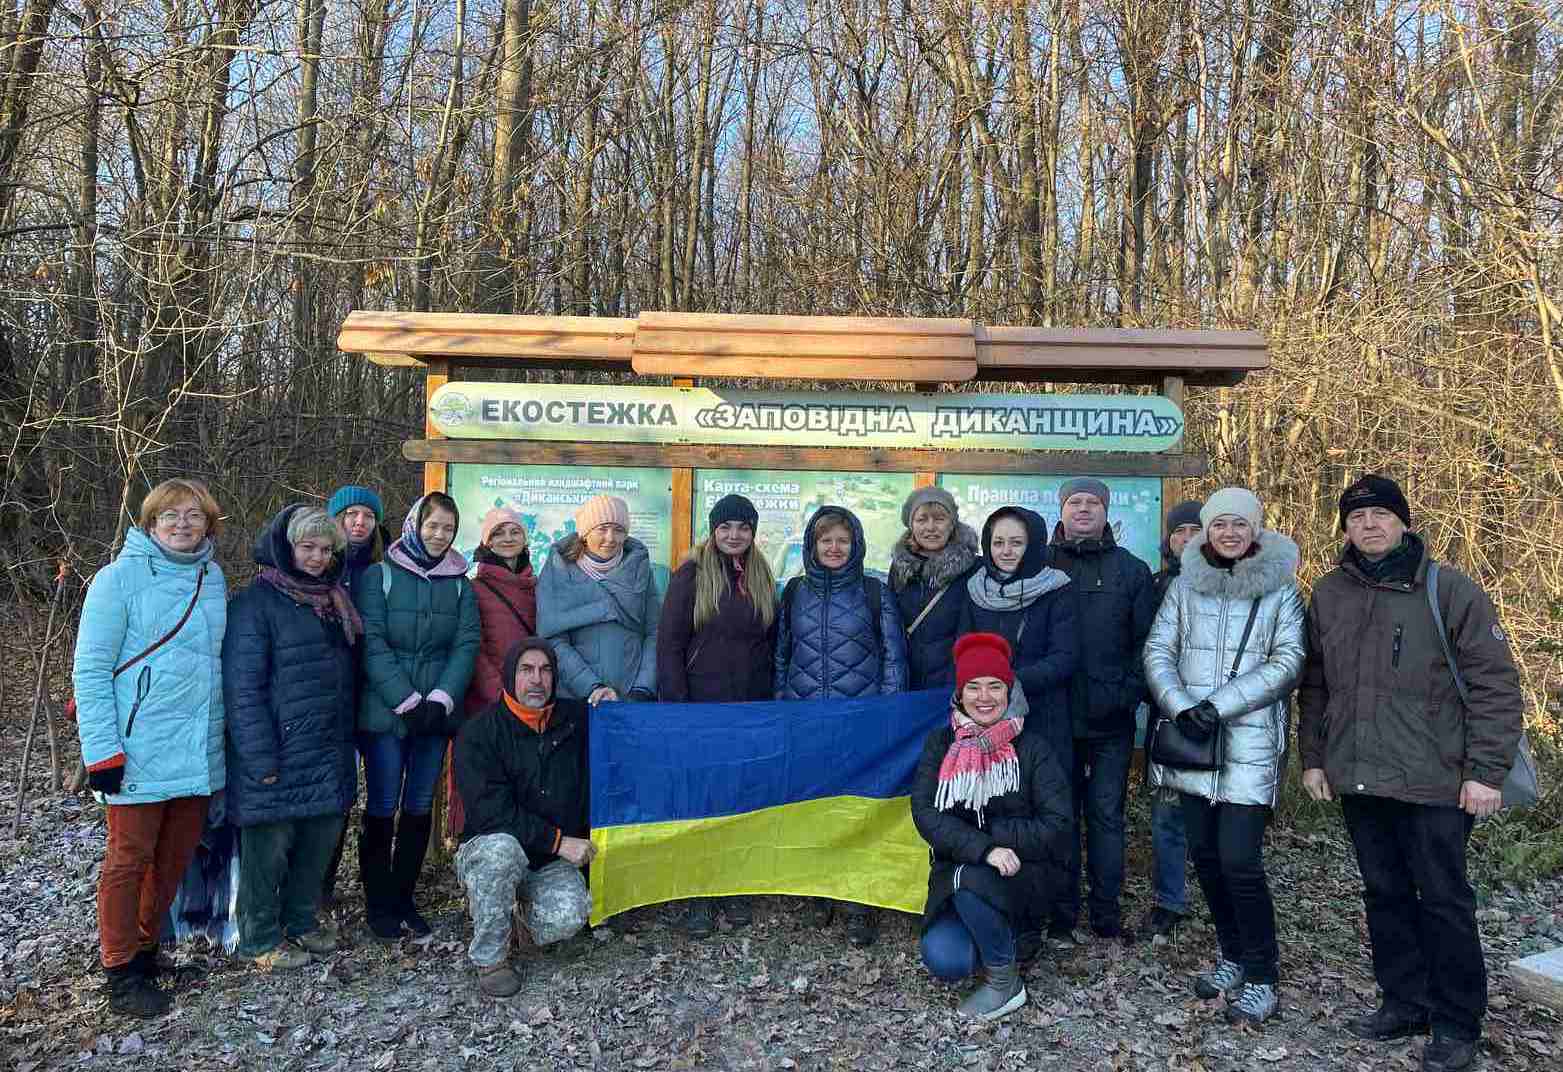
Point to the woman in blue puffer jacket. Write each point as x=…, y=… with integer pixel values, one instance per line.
x=289, y=686
x=149, y=701
x=830, y=644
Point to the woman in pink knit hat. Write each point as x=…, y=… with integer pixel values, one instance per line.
x=598, y=603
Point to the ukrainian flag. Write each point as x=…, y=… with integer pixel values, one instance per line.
x=794, y=797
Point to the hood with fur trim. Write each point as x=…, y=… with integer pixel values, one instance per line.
x=1274, y=567
x=936, y=570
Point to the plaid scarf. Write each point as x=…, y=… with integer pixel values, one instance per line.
x=981, y=763
x=328, y=599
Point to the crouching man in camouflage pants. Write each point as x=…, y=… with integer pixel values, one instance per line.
x=521, y=771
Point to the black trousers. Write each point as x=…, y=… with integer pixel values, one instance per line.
x=1226, y=842
x=1427, y=952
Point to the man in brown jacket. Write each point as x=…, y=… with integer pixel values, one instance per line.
x=1383, y=728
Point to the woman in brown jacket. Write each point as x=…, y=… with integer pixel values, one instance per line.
x=716, y=635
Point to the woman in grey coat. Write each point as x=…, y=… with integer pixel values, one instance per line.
x=597, y=602
x=1237, y=578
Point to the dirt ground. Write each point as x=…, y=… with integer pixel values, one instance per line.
x=772, y=996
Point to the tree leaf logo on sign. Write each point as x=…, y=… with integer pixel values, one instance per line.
x=452, y=409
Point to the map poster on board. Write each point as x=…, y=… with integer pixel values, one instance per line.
x=1134, y=513
x=546, y=497
x=786, y=499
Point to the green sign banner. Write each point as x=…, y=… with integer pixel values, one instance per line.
x=1134, y=512
x=785, y=500
x=700, y=415
x=547, y=496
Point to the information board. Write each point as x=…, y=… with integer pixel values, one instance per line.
x=1134, y=513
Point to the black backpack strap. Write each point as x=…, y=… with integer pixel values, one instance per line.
x=788, y=593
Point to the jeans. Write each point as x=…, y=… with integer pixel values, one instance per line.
x=968, y=934
x=1227, y=844
x=149, y=848
x=1169, y=851
x=400, y=772
x=1427, y=952
x=280, y=868
x=1101, y=788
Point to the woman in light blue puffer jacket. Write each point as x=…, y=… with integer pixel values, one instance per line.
x=149, y=703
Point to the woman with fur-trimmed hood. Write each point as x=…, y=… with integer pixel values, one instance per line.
x=1223, y=656
x=928, y=567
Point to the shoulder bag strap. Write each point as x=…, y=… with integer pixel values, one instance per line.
x=199, y=581
x=1443, y=633
x=926, y=608
x=1242, y=645
x=531, y=627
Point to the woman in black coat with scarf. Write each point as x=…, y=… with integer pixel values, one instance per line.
x=928, y=569
x=992, y=801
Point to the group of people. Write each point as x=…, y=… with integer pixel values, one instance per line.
x=349, y=645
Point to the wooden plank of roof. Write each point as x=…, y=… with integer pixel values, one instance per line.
x=845, y=459
x=805, y=347
x=1042, y=350
x=480, y=338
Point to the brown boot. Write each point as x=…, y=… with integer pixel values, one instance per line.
x=499, y=980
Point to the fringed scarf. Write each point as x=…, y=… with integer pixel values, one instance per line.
x=981, y=763
x=328, y=599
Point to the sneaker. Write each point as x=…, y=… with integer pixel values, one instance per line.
x=1445, y=1053
x=284, y=957
x=862, y=927
x=499, y=980
x=319, y=941
x=132, y=994
x=1160, y=922
x=1225, y=978
x=1255, y=1004
x=699, y=921
x=1000, y=994
x=1389, y=1022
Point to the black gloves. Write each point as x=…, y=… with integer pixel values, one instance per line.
x=107, y=780
x=1197, y=723
x=429, y=719
x=641, y=696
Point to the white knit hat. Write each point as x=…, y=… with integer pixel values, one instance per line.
x=1240, y=502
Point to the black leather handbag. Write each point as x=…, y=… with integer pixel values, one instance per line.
x=1171, y=747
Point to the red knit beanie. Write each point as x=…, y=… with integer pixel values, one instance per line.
x=982, y=655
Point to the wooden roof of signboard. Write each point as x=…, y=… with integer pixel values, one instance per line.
x=911, y=349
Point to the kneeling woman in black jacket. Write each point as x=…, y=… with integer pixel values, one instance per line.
x=993, y=804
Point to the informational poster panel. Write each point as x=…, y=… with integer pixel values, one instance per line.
x=1134, y=513
x=547, y=496
x=785, y=499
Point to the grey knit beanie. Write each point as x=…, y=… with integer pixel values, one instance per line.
x=1088, y=484
x=1237, y=501
x=924, y=496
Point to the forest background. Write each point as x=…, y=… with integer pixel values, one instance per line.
x=194, y=193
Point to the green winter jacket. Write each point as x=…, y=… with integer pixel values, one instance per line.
x=419, y=636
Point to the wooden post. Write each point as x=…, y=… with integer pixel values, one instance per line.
x=683, y=527
x=438, y=375
x=1172, y=487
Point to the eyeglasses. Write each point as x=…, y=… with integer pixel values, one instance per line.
x=173, y=517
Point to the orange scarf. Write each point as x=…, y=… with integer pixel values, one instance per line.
x=531, y=716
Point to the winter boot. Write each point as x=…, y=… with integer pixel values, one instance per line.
x=1000, y=994
x=1225, y=978
x=499, y=980
x=145, y=963
x=1389, y=1022
x=412, y=844
x=1255, y=1004
x=132, y=994
x=1447, y=1053
x=374, y=871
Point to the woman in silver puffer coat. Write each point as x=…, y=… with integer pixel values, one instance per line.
x=1202, y=674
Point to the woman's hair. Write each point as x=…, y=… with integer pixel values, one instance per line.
x=711, y=582
x=170, y=492
x=314, y=522
x=571, y=548
x=438, y=500
x=828, y=519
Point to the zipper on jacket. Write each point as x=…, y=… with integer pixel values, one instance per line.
x=143, y=687
x=958, y=869
x=1395, y=654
